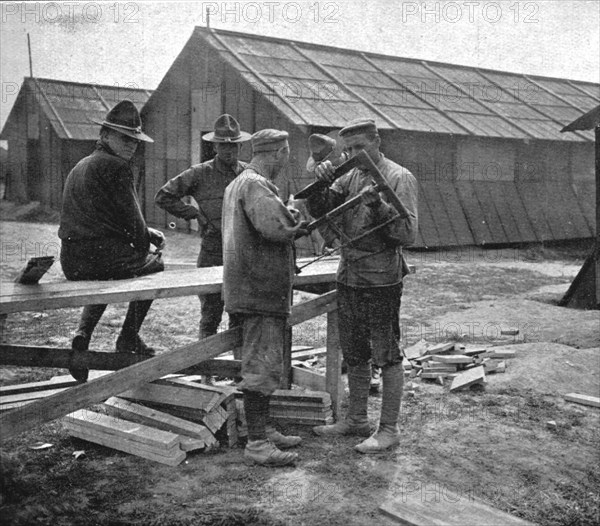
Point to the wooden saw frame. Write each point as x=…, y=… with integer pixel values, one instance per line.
x=380, y=184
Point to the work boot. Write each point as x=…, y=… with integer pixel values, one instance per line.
x=375, y=379
x=128, y=342
x=387, y=435
x=282, y=441
x=385, y=438
x=356, y=423
x=264, y=453
x=80, y=343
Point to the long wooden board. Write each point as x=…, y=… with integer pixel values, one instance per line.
x=151, y=417
x=168, y=284
x=441, y=507
x=593, y=401
x=127, y=446
x=98, y=390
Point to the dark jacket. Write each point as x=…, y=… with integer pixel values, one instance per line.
x=206, y=183
x=258, y=264
x=102, y=229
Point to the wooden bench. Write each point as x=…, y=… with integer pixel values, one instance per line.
x=132, y=370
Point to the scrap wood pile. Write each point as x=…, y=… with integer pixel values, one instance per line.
x=165, y=419
x=454, y=361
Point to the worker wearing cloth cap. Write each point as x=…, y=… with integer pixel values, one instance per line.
x=369, y=282
x=206, y=183
x=258, y=268
x=324, y=148
x=102, y=230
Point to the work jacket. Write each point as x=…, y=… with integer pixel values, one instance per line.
x=374, y=260
x=258, y=265
x=206, y=183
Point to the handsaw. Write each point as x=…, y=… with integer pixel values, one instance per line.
x=360, y=159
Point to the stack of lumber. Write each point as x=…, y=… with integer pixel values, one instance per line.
x=464, y=366
x=161, y=420
x=290, y=406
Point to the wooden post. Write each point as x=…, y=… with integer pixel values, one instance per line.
x=286, y=374
x=334, y=363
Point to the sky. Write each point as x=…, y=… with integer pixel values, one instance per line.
x=134, y=43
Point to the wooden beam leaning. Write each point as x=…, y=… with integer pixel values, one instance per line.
x=98, y=390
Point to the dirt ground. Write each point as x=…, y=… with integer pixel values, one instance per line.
x=493, y=443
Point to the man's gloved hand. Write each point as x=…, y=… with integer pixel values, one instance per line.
x=325, y=172
x=370, y=196
x=157, y=238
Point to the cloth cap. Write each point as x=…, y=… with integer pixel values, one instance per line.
x=227, y=129
x=125, y=118
x=358, y=126
x=320, y=146
x=268, y=140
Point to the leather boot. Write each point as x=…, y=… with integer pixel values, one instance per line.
x=356, y=423
x=129, y=340
x=282, y=441
x=265, y=453
x=89, y=319
x=388, y=434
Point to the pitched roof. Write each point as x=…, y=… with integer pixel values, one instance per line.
x=326, y=86
x=70, y=106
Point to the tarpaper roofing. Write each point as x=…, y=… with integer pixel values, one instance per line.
x=314, y=85
x=71, y=106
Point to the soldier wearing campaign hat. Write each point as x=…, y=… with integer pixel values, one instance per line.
x=206, y=183
x=102, y=230
x=369, y=282
x=258, y=267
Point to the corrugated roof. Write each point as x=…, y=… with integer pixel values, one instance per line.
x=71, y=106
x=326, y=86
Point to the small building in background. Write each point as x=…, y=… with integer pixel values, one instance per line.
x=49, y=129
x=492, y=167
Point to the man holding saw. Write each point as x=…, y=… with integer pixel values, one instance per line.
x=369, y=278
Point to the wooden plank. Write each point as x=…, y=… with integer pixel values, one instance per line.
x=15, y=297
x=174, y=395
x=26, y=397
x=127, y=446
x=298, y=395
x=333, y=364
x=306, y=421
x=308, y=379
x=576, y=398
x=442, y=348
x=119, y=428
x=453, y=358
x=6, y=390
x=215, y=419
x=435, y=505
x=476, y=375
x=309, y=309
x=34, y=356
x=98, y=390
x=144, y=415
x=500, y=354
